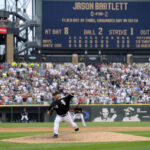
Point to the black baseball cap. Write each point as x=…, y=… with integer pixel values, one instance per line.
x=57, y=92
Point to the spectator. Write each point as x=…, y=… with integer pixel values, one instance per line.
x=104, y=83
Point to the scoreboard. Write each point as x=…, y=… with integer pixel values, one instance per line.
x=95, y=24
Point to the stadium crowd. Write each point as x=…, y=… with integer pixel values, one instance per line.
x=92, y=84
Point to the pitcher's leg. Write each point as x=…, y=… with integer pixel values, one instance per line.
x=69, y=120
x=58, y=119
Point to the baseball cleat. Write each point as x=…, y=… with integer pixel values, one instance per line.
x=55, y=136
x=77, y=129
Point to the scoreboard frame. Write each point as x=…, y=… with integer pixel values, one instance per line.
x=81, y=50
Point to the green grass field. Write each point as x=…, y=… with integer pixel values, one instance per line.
x=89, y=124
x=75, y=146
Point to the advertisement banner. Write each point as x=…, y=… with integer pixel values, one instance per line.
x=91, y=113
x=120, y=113
x=3, y=30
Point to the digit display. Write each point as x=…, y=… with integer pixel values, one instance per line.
x=98, y=24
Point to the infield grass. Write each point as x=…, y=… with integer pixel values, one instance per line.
x=89, y=124
x=137, y=133
x=8, y=135
x=78, y=146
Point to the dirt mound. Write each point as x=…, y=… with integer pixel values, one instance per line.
x=72, y=137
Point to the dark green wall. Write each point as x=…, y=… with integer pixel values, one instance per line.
x=91, y=113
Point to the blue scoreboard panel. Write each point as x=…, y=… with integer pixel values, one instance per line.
x=98, y=24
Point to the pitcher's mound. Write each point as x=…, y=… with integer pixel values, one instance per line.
x=71, y=137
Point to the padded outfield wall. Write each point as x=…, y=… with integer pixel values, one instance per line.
x=97, y=113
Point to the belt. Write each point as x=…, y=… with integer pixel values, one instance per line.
x=64, y=115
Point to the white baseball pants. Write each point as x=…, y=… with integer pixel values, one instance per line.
x=24, y=117
x=79, y=116
x=66, y=119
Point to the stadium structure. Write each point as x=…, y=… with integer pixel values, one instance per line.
x=75, y=31
x=17, y=30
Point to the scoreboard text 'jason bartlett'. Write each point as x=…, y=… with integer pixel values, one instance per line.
x=100, y=6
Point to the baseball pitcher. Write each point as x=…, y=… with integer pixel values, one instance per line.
x=61, y=106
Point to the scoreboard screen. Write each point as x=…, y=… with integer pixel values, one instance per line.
x=95, y=24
